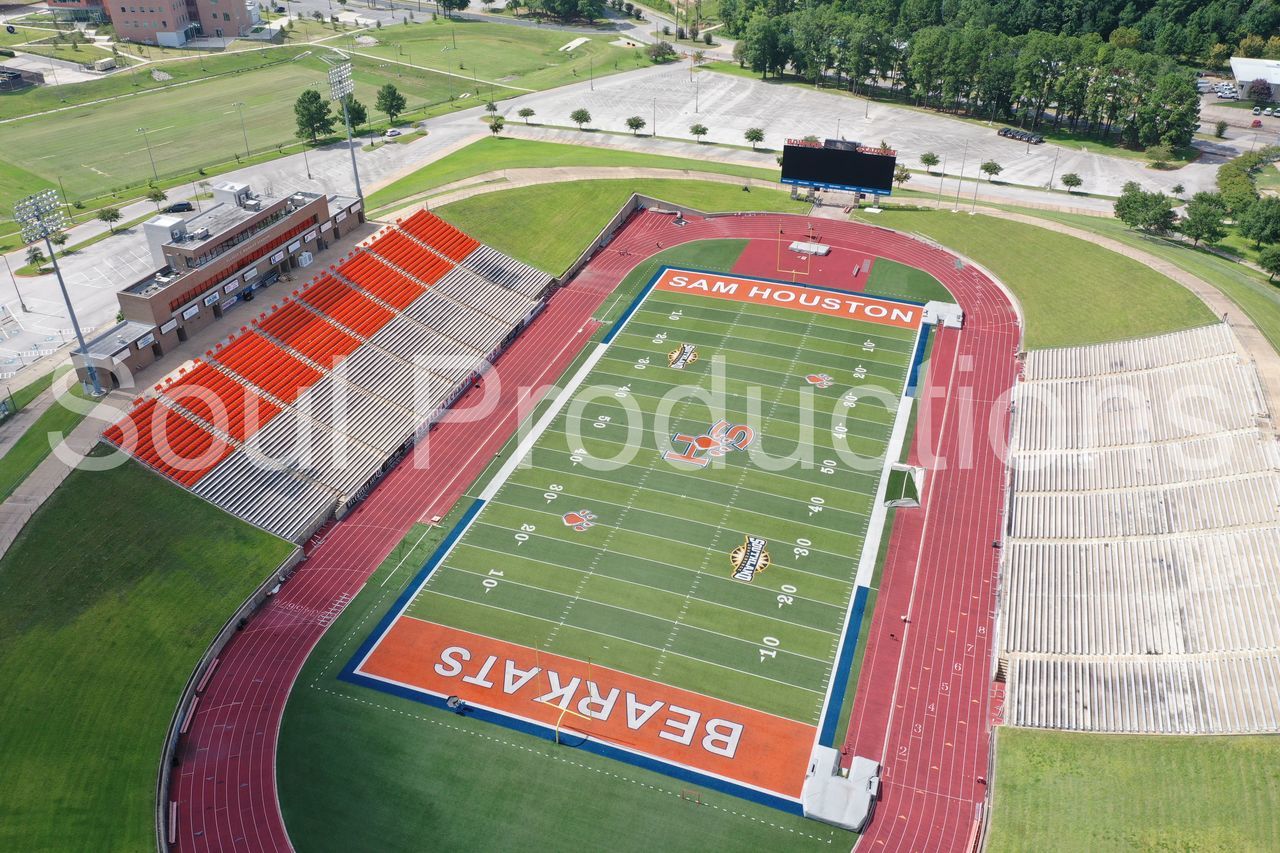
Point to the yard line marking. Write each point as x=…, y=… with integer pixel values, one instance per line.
x=786, y=684
x=764, y=590
x=619, y=526
x=709, y=601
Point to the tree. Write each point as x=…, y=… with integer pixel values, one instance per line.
x=991, y=168
x=929, y=159
x=490, y=107
x=1159, y=155
x=1259, y=91
x=58, y=238
x=661, y=51
x=636, y=124
x=312, y=114
x=580, y=117
x=496, y=123
x=526, y=113
x=697, y=131
x=1269, y=260
x=356, y=112
x=1151, y=212
x=901, y=174
x=155, y=195
x=390, y=102
x=1261, y=221
x=1178, y=190
x=1204, y=217
x=453, y=6
x=1220, y=130
x=754, y=135
x=1072, y=181
x=35, y=256
x=109, y=215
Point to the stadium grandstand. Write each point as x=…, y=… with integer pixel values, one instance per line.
x=288, y=421
x=1141, y=572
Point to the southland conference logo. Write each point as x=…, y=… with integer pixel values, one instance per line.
x=682, y=356
x=749, y=558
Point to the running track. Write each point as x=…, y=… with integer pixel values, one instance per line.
x=225, y=786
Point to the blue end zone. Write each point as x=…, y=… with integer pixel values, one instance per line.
x=844, y=664
x=917, y=358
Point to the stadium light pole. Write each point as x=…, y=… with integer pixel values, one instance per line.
x=655, y=118
x=341, y=86
x=239, y=105
x=147, y=140
x=941, y=179
x=41, y=216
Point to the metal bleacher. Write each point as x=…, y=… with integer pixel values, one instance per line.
x=1140, y=578
x=289, y=419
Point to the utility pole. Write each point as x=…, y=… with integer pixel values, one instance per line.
x=960, y=177
x=941, y=179
x=1053, y=173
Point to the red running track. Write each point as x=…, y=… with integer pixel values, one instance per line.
x=225, y=788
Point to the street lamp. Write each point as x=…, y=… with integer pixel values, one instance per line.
x=147, y=140
x=341, y=86
x=12, y=278
x=40, y=216
x=239, y=105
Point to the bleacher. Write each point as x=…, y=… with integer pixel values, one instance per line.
x=290, y=418
x=1140, y=580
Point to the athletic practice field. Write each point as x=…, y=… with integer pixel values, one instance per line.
x=666, y=568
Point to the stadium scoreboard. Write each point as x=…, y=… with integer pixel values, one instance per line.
x=838, y=165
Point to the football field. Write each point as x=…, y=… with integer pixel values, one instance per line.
x=665, y=568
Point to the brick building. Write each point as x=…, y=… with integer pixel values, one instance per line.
x=208, y=264
x=165, y=22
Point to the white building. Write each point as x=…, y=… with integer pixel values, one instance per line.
x=1245, y=71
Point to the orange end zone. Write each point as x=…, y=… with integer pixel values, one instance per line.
x=698, y=732
x=799, y=297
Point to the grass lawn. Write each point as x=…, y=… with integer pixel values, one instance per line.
x=570, y=215
x=894, y=279
x=1245, y=287
x=490, y=154
x=33, y=447
x=522, y=57
x=107, y=606
x=1066, y=791
x=96, y=148
x=1071, y=292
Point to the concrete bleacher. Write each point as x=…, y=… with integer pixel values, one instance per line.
x=289, y=419
x=1140, y=576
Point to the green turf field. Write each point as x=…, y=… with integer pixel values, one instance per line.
x=427, y=774
x=110, y=595
x=1061, y=792
x=648, y=588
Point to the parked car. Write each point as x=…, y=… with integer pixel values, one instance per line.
x=1257, y=122
x=392, y=133
x=1268, y=112
x=1258, y=111
x=179, y=207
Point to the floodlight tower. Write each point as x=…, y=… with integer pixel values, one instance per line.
x=340, y=87
x=41, y=216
